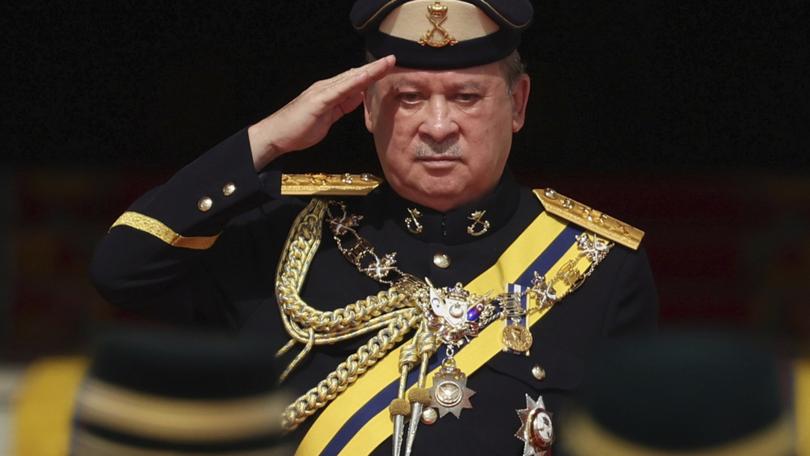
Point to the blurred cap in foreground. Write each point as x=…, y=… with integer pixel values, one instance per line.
x=149, y=393
x=682, y=394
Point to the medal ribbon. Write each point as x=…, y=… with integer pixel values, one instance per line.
x=357, y=421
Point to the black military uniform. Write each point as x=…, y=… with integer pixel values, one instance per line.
x=231, y=284
x=164, y=259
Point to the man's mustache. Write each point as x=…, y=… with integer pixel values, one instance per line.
x=432, y=149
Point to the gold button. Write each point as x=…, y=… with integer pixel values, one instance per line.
x=205, y=203
x=228, y=189
x=538, y=372
x=441, y=260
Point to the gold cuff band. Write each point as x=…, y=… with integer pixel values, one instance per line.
x=157, y=229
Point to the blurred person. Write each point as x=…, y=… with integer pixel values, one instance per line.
x=405, y=297
x=150, y=392
x=686, y=393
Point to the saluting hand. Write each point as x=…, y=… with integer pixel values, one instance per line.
x=306, y=120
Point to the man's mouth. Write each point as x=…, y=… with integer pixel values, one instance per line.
x=439, y=163
x=439, y=158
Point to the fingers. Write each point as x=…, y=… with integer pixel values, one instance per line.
x=306, y=120
x=375, y=70
x=355, y=81
x=379, y=68
x=348, y=105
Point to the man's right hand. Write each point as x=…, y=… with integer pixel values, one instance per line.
x=306, y=120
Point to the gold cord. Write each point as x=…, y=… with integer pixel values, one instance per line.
x=393, y=313
x=348, y=371
x=311, y=326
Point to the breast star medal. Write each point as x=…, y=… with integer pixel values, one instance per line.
x=449, y=393
x=536, y=430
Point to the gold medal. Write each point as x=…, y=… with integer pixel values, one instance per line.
x=517, y=338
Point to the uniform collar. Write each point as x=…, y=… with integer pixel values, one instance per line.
x=451, y=227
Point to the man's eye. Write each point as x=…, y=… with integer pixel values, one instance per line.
x=409, y=97
x=467, y=98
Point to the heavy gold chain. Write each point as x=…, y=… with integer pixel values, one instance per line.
x=393, y=312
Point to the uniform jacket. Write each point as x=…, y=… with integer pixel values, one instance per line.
x=230, y=286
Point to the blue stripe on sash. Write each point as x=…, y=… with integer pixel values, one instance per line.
x=551, y=255
x=381, y=400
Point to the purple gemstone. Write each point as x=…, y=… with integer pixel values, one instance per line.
x=473, y=313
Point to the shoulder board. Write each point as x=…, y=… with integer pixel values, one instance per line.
x=328, y=184
x=590, y=219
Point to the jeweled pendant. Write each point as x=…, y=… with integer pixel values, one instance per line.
x=449, y=392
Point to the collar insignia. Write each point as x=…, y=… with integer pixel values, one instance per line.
x=412, y=221
x=479, y=226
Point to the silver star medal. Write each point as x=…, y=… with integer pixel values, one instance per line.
x=536, y=430
x=449, y=392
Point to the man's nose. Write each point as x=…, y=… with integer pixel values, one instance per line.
x=439, y=122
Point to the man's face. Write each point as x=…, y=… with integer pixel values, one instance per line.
x=443, y=137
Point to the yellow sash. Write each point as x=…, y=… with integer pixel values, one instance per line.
x=357, y=421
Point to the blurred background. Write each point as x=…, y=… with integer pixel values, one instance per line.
x=688, y=119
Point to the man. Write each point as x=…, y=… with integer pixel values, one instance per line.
x=543, y=284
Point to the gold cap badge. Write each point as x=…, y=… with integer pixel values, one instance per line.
x=437, y=36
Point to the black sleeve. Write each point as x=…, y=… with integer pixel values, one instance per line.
x=633, y=304
x=137, y=270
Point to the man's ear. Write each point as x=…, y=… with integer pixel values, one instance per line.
x=520, y=98
x=367, y=109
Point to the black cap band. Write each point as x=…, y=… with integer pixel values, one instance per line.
x=441, y=34
x=468, y=53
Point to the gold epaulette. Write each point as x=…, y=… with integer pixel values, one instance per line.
x=328, y=184
x=589, y=218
